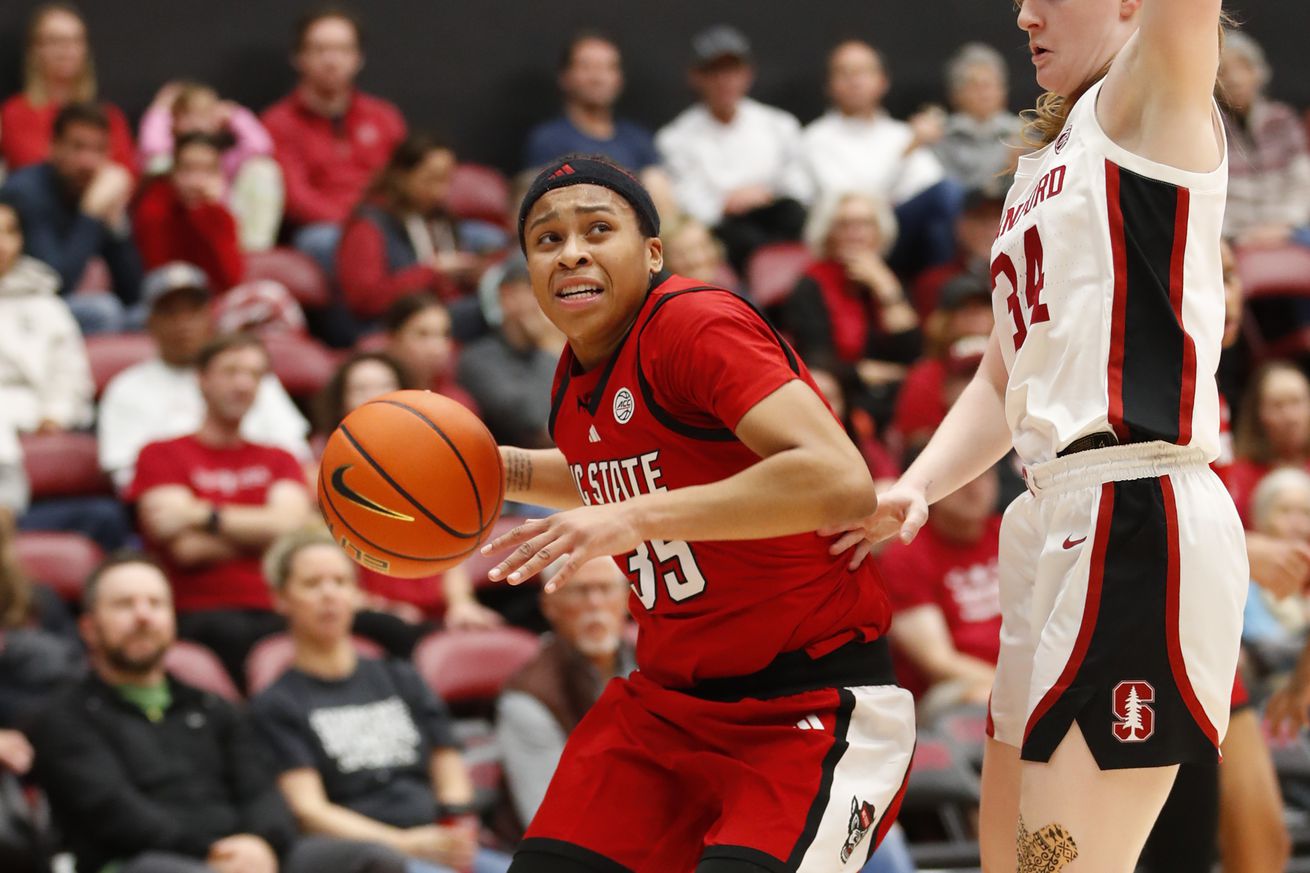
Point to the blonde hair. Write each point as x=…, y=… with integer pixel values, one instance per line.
x=33, y=82
x=189, y=94
x=1043, y=123
x=280, y=556
x=819, y=225
x=1271, y=487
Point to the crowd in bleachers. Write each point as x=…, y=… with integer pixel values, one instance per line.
x=187, y=310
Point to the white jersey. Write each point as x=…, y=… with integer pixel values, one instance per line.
x=1108, y=294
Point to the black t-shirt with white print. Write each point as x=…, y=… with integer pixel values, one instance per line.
x=370, y=737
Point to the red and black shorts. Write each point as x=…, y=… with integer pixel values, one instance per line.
x=656, y=780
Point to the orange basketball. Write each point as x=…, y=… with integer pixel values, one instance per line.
x=410, y=484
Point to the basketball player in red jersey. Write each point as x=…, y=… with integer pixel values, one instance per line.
x=762, y=730
x=1123, y=568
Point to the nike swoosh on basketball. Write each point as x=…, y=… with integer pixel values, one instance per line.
x=1070, y=542
x=339, y=485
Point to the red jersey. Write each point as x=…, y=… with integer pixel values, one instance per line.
x=241, y=475
x=960, y=579
x=659, y=415
x=328, y=163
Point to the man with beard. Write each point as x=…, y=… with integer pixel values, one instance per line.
x=210, y=502
x=146, y=774
x=545, y=700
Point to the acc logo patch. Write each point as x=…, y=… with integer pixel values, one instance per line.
x=624, y=406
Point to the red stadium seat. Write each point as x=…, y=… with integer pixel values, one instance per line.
x=64, y=465
x=478, y=564
x=471, y=666
x=111, y=353
x=773, y=270
x=61, y=560
x=481, y=192
x=1270, y=272
x=294, y=269
x=271, y=657
x=303, y=364
x=198, y=666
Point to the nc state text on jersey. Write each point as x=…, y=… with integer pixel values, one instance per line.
x=1047, y=187
x=613, y=481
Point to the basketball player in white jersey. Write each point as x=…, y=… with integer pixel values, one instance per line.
x=1123, y=569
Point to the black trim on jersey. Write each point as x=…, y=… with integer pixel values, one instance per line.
x=1129, y=643
x=1152, y=337
x=823, y=797
x=593, y=402
x=749, y=860
x=581, y=857
x=852, y=665
x=666, y=418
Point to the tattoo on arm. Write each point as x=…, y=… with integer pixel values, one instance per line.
x=518, y=471
x=1046, y=850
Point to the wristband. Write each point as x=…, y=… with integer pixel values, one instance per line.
x=212, y=523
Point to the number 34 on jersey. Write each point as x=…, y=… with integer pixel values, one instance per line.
x=670, y=564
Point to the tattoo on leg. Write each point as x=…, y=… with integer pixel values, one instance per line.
x=1048, y=850
x=518, y=470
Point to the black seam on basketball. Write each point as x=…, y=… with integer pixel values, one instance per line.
x=403, y=493
x=477, y=496
x=363, y=539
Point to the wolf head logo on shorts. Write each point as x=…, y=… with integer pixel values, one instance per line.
x=624, y=406
x=862, y=814
x=1134, y=718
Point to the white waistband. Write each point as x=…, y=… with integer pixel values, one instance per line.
x=1112, y=464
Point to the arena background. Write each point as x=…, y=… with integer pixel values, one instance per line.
x=483, y=72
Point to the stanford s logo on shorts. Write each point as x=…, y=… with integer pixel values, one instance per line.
x=1134, y=718
x=862, y=814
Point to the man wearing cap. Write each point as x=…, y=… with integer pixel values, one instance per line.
x=694, y=447
x=160, y=399
x=735, y=163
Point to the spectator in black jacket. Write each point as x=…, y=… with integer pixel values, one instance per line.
x=148, y=775
x=74, y=208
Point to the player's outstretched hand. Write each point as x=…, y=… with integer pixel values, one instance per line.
x=901, y=509
x=576, y=536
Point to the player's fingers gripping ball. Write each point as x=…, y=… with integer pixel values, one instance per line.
x=411, y=484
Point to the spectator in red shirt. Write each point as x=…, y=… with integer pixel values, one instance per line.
x=209, y=504
x=181, y=217
x=57, y=70
x=1273, y=430
x=418, y=336
x=252, y=177
x=964, y=312
x=848, y=312
x=944, y=589
x=402, y=238
x=330, y=139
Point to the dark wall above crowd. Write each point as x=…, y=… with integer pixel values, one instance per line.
x=483, y=72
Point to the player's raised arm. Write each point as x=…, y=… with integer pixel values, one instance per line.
x=1157, y=99
x=1179, y=47
x=540, y=477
